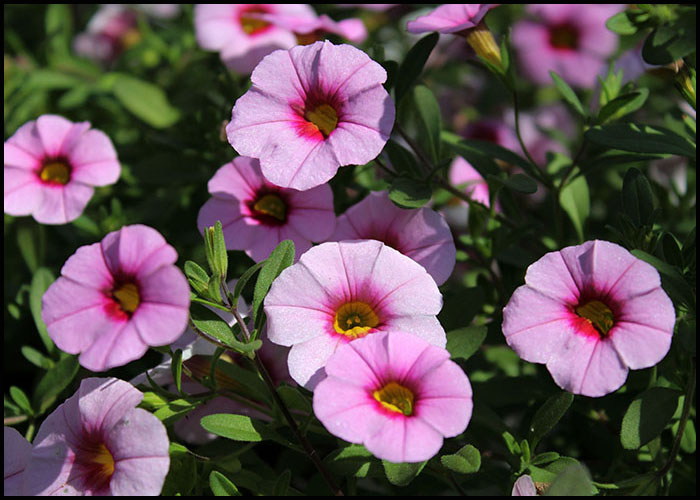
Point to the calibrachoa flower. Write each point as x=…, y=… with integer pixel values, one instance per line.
x=312, y=109
x=464, y=176
x=117, y=297
x=242, y=39
x=52, y=166
x=461, y=19
x=569, y=39
x=524, y=487
x=98, y=443
x=396, y=394
x=590, y=312
x=256, y=215
x=421, y=234
x=339, y=292
x=309, y=30
x=17, y=451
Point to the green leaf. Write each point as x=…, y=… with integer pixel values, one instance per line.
x=243, y=280
x=464, y=342
x=623, y=105
x=412, y=65
x=639, y=138
x=36, y=358
x=31, y=243
x=176, y=367
x=59, y=30
x=211, y=323
x=182, y=476
x=517, y=182
x=174, y=410
x=54, y=382
x=547, y=416
x=401, y=159
x=647, y=416
x=621, y=24
x=282, y=484
x=19, y=397
x=145, y=100
x=409, y=193
x=637, y=197
x=221, y=486
x=294, y=399
x=420, y=111
x=198, y=277
x=281, y=258
x=568, y=93
x=672, y=251
x=392, y=69
x=353, y=460
x=575, y=199
x=476, y=153
x=575, y=480
x=669, y=43
x=41, y=280
x=466, y=461
x=234, y=427
x=548, y=473
x=544, y=458
x=402, y=474
x=671, y=280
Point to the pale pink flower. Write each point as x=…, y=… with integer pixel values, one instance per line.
x=117, y=297
x=256, y=215
x=421, y=234
x=396, y=394
x=450, y=18
x=569, y=39
x=524, y=487
x=241, y=39
x=590, y=312
x=17, y=451
x=98, y=443
x=52, y=166
x=339, y=292
x=309, y=30
x=312, y=109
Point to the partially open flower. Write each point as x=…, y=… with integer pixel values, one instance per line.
x=311, y=110
x=339, y=292
x=117, y=297
x=256, y=215
x=590, y=312
x=396, y=394
x=51, y=166
x=98, y=443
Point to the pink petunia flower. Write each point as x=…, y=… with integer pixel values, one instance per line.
x=256, y=215
x=17, y=451
x=312, y=109
x=117, y=297
x=98, y=443
x=569, y=39
x=309, y=30
x=339, y=292
x=396, y=394
x=450, y=18
x=242, y=39
x=590, y=312
x=524, y=487
x=52, y=166
x=421, y=234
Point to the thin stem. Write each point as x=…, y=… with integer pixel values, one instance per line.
x=535, y=168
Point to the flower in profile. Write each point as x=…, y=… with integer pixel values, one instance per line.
x=421, y=234
x=396, y=394
x=98, y=443
x=309, y=30
x=117, y=297
x=590, y=312
x=52, y=166
x=569, y=39
x=461, y=19
x=16, y=455
x=339, y=292
x=256, y=215
x=310, y=110
x=241, y=38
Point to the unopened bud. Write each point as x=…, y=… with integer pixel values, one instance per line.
x=481, y=40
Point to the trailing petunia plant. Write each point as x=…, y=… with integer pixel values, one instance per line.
x=377, y=249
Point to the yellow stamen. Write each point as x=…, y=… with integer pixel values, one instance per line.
x=598, y=314
x=104, y=459
x=128, y=297
x=130, y=38
x=355, y=319
x=271, y=205
x=55, y=171
x=324, y=117
x=395, y=397
x=252, y=25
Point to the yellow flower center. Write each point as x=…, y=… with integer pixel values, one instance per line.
x=355, y=319
x=598, y=314
x=324, y=117
x=130, y=38
x=252, y=25
x=127, y=295
x=271, y=205
x=55, y=171
x=395, y=397
x=105, y=463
